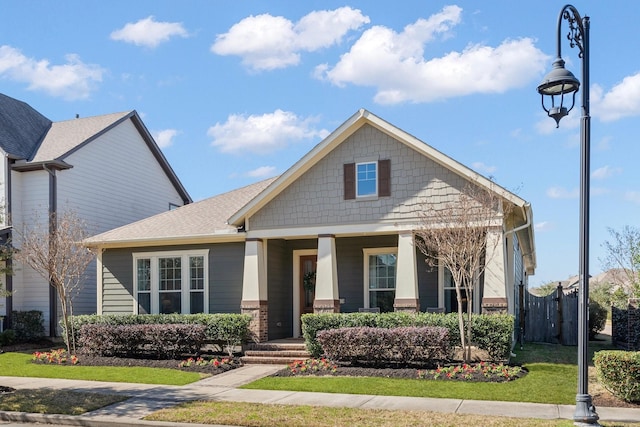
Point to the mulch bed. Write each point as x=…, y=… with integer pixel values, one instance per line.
x=86, y=360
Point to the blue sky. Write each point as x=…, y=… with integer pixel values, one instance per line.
x=237, y=91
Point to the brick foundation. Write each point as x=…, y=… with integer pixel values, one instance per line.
x=408, y=305
x=326, y=306
x=494, y=306
x=259, y=326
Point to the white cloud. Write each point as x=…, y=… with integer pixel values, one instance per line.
x=148, y=32
x=632, y=196
x=623, y=100
x=395, y=65
x=262, y=172
x=481, y=167
x=73, y=80
x=562, y=193
x=605, y=172
x=267, y=42
x=262, y=134
x=543, y=226
x=164, y=138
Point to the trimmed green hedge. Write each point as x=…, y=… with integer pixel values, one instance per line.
x=226, y=329
x=491, y=332
x=619, y=372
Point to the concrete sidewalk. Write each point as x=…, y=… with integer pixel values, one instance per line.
x=146, y=399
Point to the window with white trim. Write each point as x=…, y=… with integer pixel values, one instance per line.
x=380, y=278
x=366, y=179
x=171, y=282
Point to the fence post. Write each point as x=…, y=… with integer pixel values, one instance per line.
x=558, y=300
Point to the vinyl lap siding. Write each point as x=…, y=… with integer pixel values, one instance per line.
x=30, y=290
x=226, y=264
x=115, y=180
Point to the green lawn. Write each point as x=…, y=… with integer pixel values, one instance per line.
x=552, y=378
x=20, y=365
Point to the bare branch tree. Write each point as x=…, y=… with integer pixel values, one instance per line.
x=55, y=251
x=457, y=235
x=623, y=252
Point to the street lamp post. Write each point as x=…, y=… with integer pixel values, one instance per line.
x=558, y=83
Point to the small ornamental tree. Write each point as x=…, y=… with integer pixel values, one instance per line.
x=55, y=251
x=457, y=236
x=623, y=252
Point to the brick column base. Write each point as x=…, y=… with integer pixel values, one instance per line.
x=494, y=306
x=259, y=326
x=408, y=305
x=326, y=306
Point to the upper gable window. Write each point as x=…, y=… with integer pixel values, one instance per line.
x=367, y=179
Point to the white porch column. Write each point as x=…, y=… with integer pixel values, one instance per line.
x=494, y=298
x=407, y=297
x=327, y=298
x=254, y=288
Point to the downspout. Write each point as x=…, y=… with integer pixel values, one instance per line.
x=8, y=278
x=53, y=208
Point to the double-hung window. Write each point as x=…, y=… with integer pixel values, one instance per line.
x=366, y=179
x=380, y=278
x=171, y=282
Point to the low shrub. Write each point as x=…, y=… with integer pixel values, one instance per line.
x=491, y=332
x=7, y=337
x=382, y=346
x=168, y=341
x=619, y=372
x=27, y=325
x=597, y=318
x=224, y=329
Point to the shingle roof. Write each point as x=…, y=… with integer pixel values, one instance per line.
x=203, y=219
x=65, y=136
x=21, y=127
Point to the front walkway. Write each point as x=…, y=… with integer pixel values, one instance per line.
x=146, y=399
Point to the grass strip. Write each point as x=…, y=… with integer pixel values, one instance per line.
x=45, y=401
x=20, y=365
x=545, y=383
x=263, y=415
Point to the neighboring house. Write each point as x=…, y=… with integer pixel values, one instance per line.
x=107, y=169
x=334, y=233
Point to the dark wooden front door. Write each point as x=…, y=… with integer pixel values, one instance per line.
x=307, y=282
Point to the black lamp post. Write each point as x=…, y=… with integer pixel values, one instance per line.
x=558, y=83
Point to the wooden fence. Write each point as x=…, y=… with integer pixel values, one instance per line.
x=552, y=319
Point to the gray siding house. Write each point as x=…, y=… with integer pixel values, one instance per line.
x=107, y=169
x=334, y=233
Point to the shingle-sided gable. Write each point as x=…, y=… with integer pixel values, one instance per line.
x=317, y=197
x=343, y=133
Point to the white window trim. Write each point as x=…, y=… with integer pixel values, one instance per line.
x=185, y=279
x=365, y=263
x=367, y=196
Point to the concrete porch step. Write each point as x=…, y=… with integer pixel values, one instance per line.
x=300, y=354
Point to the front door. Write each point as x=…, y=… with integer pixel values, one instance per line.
x=307, y=282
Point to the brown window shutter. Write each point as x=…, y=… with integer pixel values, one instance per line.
x=349, y=181
x=384, y=178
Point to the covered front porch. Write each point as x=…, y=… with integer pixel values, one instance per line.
x=286, y=278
